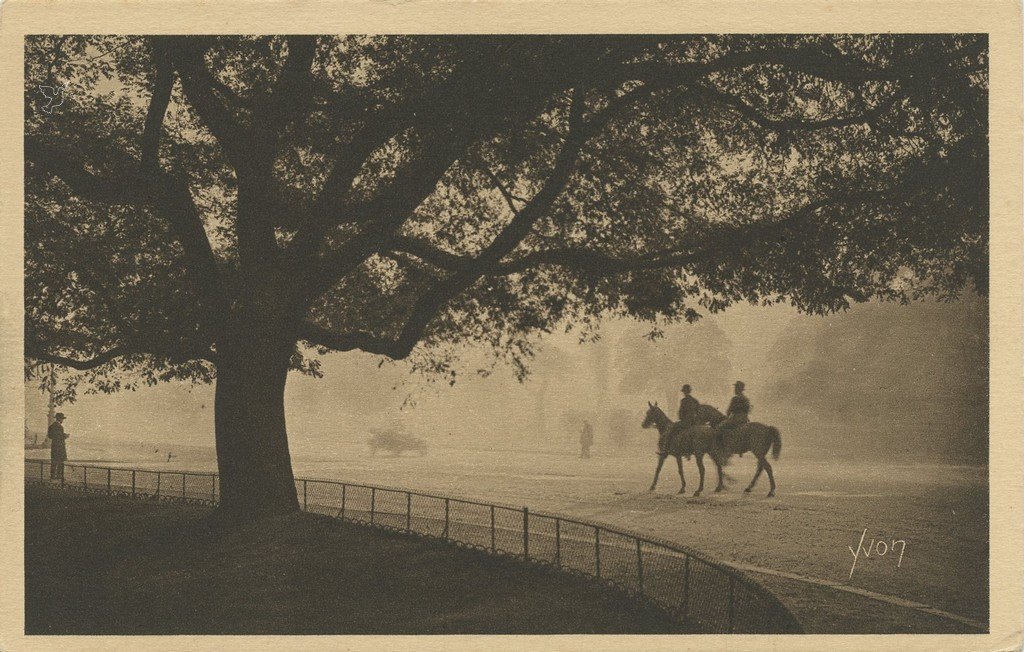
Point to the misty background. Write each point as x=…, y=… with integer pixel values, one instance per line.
x=881, y=380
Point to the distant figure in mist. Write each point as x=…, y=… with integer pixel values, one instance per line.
x=736, y=414
x=58, y=450
x=586, y=439
x=170, y=456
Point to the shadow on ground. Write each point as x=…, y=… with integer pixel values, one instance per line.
x=100, y=565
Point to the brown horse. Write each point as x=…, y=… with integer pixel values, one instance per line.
x=697, y=441
x=756, y=438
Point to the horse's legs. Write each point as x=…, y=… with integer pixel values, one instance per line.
x=760, y=467
x=771, y=477
x=700, y=467
x=679, y=463
x=661, y=460
x=718, y=465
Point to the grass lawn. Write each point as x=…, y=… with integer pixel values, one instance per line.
x=100, y=565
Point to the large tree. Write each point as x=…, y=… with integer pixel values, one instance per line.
x=227, y=208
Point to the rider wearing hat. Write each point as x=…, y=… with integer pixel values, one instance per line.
x=688, y=408
x=737, y=413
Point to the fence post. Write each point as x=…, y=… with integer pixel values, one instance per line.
x=41, y=479
x=85, y=477
x=108, y=482
x=373, y=503
x=158, y=483
x=558, y=542
x=408, y=512
x=133, y=483
x=213, y=488
x=597, y=551
x=446, y=510
x=344, y=488
x=686, y=587
x=526, y=533
x=305, y=501
x=493, y=547
x=183, y=486
x=732, y=584
x=639, y=567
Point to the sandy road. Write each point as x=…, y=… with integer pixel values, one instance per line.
x=798, y=543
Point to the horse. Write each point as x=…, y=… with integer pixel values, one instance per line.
x=757, y=438
x=697, y=440
x=709, y=415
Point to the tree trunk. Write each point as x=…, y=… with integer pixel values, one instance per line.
x=252, y=443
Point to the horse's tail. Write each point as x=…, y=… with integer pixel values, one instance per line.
x=776, y=442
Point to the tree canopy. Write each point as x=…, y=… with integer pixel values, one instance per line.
x=402, y=194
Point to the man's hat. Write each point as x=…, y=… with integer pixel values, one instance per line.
x=686, y=388
x=739, y=384
x=59, y=415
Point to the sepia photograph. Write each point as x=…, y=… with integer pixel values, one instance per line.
x=505, y=333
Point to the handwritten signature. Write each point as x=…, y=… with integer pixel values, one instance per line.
x=880, y=547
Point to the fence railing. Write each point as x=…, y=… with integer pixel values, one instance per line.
x=707, y=595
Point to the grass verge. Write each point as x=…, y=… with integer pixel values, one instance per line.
x=101, y=565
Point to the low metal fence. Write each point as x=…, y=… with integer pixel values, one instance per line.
x=709, y=596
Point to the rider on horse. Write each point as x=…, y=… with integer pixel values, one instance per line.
x=687, y=416
x=736, y=415
x=688, y=408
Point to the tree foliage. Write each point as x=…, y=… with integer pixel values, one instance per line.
x=403, y=194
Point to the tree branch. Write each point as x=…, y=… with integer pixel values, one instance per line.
x=811, y=61
x=163, y=83
x=197, y=82
x=81, y=365
x=293, y=90
x=789, y=124
x=126, y=190
x=719, y=242
x=501, y=188
x=427, y=252
x=356, y=340
x=164, y=193
x=434, y=300
x=392, y=207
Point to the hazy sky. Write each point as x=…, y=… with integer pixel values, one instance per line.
x=356, y=395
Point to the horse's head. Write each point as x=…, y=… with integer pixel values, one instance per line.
x=654, y=415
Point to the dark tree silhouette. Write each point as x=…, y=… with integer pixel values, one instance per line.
x=211, y=207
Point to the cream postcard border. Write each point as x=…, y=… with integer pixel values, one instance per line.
x=1001, y=20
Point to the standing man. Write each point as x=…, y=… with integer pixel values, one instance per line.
x=688, y=408
x=58, y=451
x=736, y=415
x=586, y=440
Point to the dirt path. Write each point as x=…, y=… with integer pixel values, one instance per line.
x=890, y=599
x=799, y=542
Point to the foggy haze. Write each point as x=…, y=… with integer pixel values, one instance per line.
x=877, y=380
